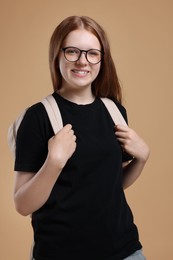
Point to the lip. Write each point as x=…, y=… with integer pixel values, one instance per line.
x=80, y=73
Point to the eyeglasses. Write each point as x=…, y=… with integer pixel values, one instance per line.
x=73, y=54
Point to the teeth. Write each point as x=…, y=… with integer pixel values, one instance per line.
x=80, y=72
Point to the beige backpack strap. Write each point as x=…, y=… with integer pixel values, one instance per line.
x=12, y=132
x=53, y=112
x=114, y=111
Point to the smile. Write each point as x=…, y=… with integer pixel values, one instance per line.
x=81, y=72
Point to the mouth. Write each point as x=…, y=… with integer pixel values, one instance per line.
x=80, y=72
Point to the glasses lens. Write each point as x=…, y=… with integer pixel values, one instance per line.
x=72, y=54
x=94, y=56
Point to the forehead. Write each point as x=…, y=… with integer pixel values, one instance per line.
x=82, y=39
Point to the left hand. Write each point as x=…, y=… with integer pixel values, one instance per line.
x=132, y=143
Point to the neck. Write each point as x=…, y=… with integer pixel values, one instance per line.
x=78, y=97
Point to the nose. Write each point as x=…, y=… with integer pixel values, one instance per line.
x=82, y=58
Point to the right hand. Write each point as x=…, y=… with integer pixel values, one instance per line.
x=62, y=146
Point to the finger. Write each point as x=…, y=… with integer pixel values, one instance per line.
x=71, y=132
x=74, y=138
x=121, y=128
x=123, y=135
x=67, y=127
x=122, y=141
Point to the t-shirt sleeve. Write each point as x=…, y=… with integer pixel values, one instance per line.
x=32, y=139
x=126, y=156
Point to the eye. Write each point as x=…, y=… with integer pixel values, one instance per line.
x=94, y=52
x=72, y=51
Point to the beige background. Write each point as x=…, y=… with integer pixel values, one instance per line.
x=141, y=36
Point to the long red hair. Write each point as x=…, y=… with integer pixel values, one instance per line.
x=106, y=84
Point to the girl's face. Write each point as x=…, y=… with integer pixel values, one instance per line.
x=79, y=75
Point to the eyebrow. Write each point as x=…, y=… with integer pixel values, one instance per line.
x=83, y=49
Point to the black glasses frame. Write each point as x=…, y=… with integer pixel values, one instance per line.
x=82, y=51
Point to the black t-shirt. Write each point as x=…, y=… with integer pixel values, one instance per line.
x=86, y=216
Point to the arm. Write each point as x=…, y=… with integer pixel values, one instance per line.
x=32, y=190
x=135, y=146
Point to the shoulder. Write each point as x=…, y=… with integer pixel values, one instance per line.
x=35, y=118
x=36, y=109
x=121, y=108
x=36, y=112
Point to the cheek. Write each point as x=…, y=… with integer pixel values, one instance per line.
x=63, y=68
x=63, y=65
x=97, y=70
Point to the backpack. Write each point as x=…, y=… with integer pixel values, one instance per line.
x=55, y=118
